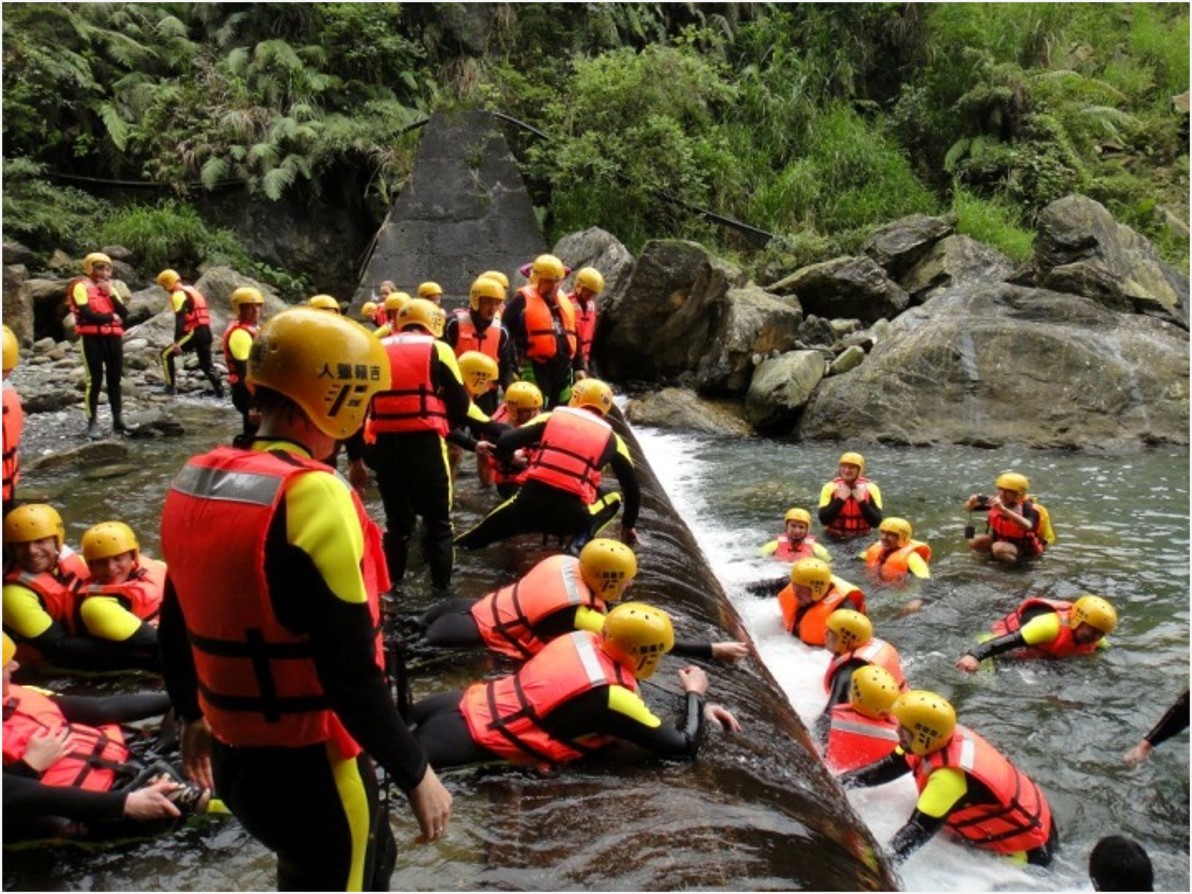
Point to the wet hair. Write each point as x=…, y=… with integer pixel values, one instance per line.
x=1120, y=864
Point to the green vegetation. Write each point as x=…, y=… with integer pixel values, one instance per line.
x=816, y=122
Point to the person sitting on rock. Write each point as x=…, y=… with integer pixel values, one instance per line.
x=795, y=542
x=1047, y=628
x=1016, y=527
x=850, y=505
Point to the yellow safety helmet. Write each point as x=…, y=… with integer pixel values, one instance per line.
x=484, y=287
x=328, y=365
x=639, y=634
x=852, y=629
x=34, y=521
x=430, y=290
x=167, y=279
x=899, y=526
x=797, y=514
x=424, y=313
x=523, y=396
x=607, y=567
x=9, y=648
x=107, y=539
x=548, y=267
x=395, y=301
x=498, y=276
x=479, y=372
x=872, y=691
x=12, y=351
x=1094, y=611
x=96, y=257
x=815, y=574
x=324, y=302
x=592, y=393
x=928, y=717
x=1013, y=481
x=589, y=278
x=368, y=309
x=246, y=295
x=853, y=459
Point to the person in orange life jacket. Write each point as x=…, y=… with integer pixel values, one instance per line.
x=269, y=628
x=851, y=641
x=14, y=421
x=405, y=432
x=850, y=504
x=121, y=601
x=1044, y=628
x=66, y=759
x=813, y=593
x=475, y=328
x=504, y=282
x=575, y=696
x=247, y=304
x=1174, y=721
x=559, y=594
x=861, y=730
x=966, y=786
x=1013, y=522
x=589, y=283
x=795, y=542
x=523, y=402
x=99, y=315
x=541, y=322
x=479, y=372
x=192, y=330
x=895, y=555
x=560, y=493
x=390, y=309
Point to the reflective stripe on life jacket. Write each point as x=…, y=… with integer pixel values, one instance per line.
x=1003, y=529
x=230, y=361
x=257, y=680
x=141, y=593
x=855, y=740
x=507, y=617
x=56, y=590
x=850, y=522
x=789, y=552
x=505, y=715
x=893, y=567
x=877, y=652
x=96, y=755
x=412, y=402
x=469, y=338
x=196, y=314
x=1019, y=817
x=810, y=624
x=543, y=328
x=100, y=303
x=1061, y=647
x=569, y=452
x=14, y=424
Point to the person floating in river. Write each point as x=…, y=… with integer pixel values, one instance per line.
x=795, y=542
x=1017, y=527
x=812, y=595
x=853, y=646
x=850, y=505
x=895, y=555
x=1047, y=628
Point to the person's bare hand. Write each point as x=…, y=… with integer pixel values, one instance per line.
x=196, y=753
x=432, y=806
x=629, y=536
x=861, y=491
x=694, y=679
x=46, y=748
x=484, y=448
x=842, y=492
x=730, y=651
x=152, y=802
x=1138, y=753
x=358, y=475
x=968, y=664
x=722, y=717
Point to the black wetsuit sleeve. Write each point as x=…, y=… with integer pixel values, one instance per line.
x=630, y=489
x=355, y=445
x=136, y=652
x=827, y=514
x=590, y=713
x=454, y=394
x=344, y=645
x=838, y=693
x=177, y=661
x=557, y=624
x=85, y=313
x=451, y=331
x=513, y=319
x=112, y=708
x=27, y=799
x=119, y=307
x=1173, y=722
x=917, y=831
x=879, y=772
x=999, y=645
x=514, y=440
x=462, y=438
x=180, y=319
x=871, y=512
x=506, y=362
x=693, y=648
x=767, y=588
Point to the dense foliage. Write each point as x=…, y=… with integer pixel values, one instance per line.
x=815, y=122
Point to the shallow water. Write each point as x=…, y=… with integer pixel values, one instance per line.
x=1122, y=521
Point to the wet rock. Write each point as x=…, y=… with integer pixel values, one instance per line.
x=597, y=248
x=780, y=388
x=845, y=287
x=17, y=253
x=900, y=245
x=849, y=359
x=816, y=331
x=682, y=408
x=18, y=307
x=89, y=453
x=955, y=261
x=117, y=470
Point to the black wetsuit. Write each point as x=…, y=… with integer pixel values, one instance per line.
x=1173, y=722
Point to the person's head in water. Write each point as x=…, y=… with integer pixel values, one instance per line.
x=1119, y=864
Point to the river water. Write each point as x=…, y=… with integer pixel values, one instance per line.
x=1123, y=527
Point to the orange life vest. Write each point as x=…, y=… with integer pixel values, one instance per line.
x=469, y=338
x=585, y=326
x=197, y=314
x=412, y=402
x=810, y=624
x=56, y=590
x=1019, y=817
x=543, y=329
x=1003, y=529
x=230, y=361
x=96, y=756
x=100, y=303
x=506, y=617
x=1061, y=647
x=788, y=552
x=855, y=740
x=504, y=473
x=380, y=316
x=257, y=680
x=141, y=593
x=877, y=652
x=14, y=423
x=850, y=522
x=893, y=567
x=569, y=452
x=505, y=715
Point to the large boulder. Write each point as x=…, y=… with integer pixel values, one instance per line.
x=781, y=387
x=1081, y=249
x=18, y=304
x=1002, y=364
x=845, y=287
x=597, y=248
x=955, y=261
x=682, y=408
x=900, y=244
